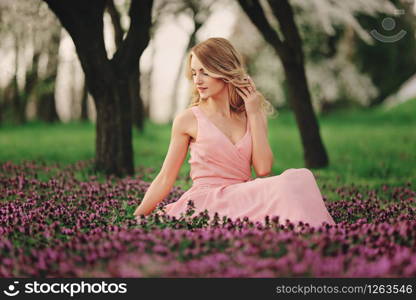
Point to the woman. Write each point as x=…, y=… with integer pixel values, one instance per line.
x=226, y=130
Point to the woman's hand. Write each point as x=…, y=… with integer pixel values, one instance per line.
x=140, y=211
x=251, y=97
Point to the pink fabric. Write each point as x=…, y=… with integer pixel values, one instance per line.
x=222, y=182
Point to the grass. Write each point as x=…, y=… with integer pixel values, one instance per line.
x=366, y=147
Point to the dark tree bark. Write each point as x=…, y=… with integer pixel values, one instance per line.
x=45, y=105
x=84, y=104
x=18, y=101
x=18, y=104
x=289, y=49
x=32, y=75
x=108, y=81
x=115, y=19
x=137, y=111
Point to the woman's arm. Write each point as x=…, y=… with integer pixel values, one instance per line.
x=262, y=155
x=166, y=178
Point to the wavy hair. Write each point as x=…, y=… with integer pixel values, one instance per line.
x=222, y=61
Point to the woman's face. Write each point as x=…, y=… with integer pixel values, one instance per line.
x=206, y=85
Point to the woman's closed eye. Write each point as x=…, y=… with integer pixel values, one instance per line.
x=193, y=74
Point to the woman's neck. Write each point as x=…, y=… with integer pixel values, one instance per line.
x=219, y=104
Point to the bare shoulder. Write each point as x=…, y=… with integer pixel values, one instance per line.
x=186, y=123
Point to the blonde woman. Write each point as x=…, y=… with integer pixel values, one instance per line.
x=225, y=129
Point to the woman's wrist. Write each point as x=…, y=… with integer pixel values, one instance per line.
x=255, y=114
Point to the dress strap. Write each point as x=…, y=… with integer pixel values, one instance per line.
x=196, y=111
x=202, y=117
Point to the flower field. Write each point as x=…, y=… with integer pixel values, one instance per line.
x=61, y=226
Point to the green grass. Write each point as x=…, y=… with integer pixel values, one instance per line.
x=365, y=147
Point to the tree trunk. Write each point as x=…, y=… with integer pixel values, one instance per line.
x=45, y=108
x=84, y=104
x=314, y=151
x=134, y=80
x=138, y=113
x=18, y=102
x=32, y=75
x=8, y=97
x=114, y=151
x=108, y=80
x=290, y=53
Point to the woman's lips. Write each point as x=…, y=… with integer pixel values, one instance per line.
x=201, y=89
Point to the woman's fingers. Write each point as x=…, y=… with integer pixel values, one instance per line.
x=251, y=86
x=241, y=93
x=245, y=90
x=252, y=83
x=250, y=89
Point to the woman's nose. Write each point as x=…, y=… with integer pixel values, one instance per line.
x=198, y=78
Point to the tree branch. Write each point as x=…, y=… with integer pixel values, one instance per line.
x=84, y=22
x=256, y=14
x=137, y=39
x=284, y=15
x=115, y=19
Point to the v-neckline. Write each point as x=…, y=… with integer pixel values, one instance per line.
x=222, y=133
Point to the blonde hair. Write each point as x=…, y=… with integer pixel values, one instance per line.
x=222, y=61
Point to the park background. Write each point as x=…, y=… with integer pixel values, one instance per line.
x=360, y=71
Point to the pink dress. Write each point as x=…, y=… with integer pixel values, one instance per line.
x=221, y=175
